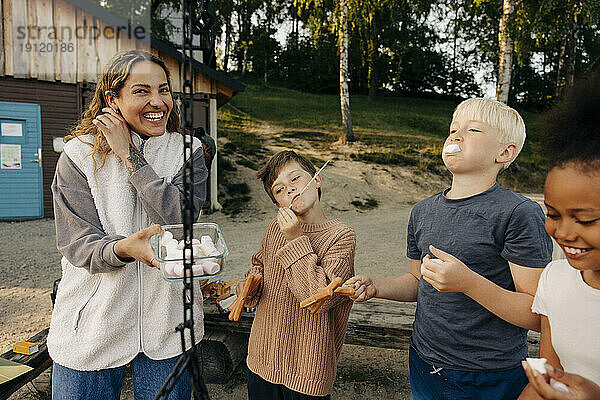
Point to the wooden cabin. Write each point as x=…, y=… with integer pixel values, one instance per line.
x=51, y=53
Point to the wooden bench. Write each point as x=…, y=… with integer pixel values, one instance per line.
x=376, y=323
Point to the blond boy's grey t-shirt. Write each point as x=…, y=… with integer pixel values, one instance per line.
x=484, y=231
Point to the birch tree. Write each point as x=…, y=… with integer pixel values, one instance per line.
x=506, y=52
x=344, y=73
x=341, y=24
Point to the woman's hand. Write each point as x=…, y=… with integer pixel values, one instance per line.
x=580, y=388
x=138, y=246
x=116, y=131
x=364, y=288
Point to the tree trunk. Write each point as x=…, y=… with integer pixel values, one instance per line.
x=506, y=52
x=373, y=58
x=560, y=68
x=247, y=21
x=400, y=55
x=227, y=44
x=572, y=51
x=453, y=74
x=344, y=75
x=240, y=43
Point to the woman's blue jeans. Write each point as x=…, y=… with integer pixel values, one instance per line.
x=148, y=377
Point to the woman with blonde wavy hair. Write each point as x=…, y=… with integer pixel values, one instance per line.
x=120, y=174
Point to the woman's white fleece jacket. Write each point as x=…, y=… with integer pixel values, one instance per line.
x=104, y=320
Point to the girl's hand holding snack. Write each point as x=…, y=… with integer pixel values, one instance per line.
x=447, y=273
x=289, y=224
x=579, y=387
x=364, y=288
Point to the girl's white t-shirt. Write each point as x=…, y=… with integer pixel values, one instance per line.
x=573, y=310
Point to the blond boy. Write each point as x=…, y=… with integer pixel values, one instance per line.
x=292, y=354
x=476, y=252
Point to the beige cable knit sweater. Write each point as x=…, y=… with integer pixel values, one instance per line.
x=288, y=345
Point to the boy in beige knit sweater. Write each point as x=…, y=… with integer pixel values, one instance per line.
x=292, y=354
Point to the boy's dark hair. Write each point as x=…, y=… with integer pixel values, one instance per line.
x=572, y=127
x=270, y=171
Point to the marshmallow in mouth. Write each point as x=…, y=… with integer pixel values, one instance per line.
x=452, y=148
x=154, y=116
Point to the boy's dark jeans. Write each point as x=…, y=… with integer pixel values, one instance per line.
x=259, y=389
x=430, y=383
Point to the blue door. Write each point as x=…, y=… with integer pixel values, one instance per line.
x=21, y=193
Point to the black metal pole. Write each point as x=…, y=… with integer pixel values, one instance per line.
x=189, y=359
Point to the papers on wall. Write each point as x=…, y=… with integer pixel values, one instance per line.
x=10, y=156
x=11, y=129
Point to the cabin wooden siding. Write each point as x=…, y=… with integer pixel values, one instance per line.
x=59, y=111
x=69, y=57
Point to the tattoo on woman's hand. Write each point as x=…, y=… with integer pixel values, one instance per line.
x=136, y=159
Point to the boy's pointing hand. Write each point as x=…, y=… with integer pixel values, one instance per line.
x=289, y=224
x=447, y=273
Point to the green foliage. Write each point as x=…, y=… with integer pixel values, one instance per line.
x=223, y=164
x=368, y=204
x=235, y=204
x=238, y=188
x=309, y=65
x=232, y=126
x=247, y=163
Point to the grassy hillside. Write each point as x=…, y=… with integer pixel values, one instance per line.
x=397, y=130
x=295, y=109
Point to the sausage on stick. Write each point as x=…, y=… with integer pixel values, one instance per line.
x=235, y=310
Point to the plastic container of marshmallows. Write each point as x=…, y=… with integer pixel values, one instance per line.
x=208, y=247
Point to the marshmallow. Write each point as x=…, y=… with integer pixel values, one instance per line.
x=197, y=270
x=197, y=250
x=452, y=148
x=228, y=301
x=174, y=253
x=168, y=268
x=537, y=364
x=558, y=386
x=171, y=247
x=208, y=247
x=167, y=236
x=178, y=270
x=210, y=267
